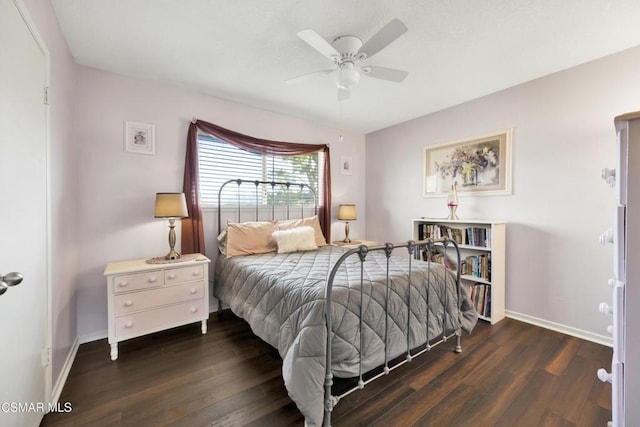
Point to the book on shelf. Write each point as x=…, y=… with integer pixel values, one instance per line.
x=487, y=303
x=481, y=298
x=436, y=255
x=472, y=265
x=477, y=266
x=471, y=236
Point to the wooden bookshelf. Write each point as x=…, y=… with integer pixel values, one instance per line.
x=482, y=250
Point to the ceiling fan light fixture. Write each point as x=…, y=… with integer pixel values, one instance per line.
x=347, y=76
x=347, y=51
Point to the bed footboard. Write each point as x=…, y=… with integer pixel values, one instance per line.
x=414, y=349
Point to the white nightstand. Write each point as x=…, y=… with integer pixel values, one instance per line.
x=355, y=243
x=145, y=298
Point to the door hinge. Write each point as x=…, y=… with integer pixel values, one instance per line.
x=45, y=357
x=46, y=95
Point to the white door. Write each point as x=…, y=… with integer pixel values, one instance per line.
x=23, y=220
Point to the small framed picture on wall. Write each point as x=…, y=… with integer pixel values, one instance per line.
x=139, y=138
x=346, y=165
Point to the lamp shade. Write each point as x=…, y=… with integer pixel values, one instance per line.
x=171, y=205
x=347, y=212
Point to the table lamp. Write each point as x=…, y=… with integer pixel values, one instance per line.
x=172, y=206
x=346, y=213
x=452, y=202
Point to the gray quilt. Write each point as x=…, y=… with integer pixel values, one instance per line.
x=282, y=299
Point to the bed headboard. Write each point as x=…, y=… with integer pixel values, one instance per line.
x=298, y=197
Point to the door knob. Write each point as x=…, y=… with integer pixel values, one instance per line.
x=10, y=279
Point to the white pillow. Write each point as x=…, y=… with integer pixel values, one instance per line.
x=295, y=239
x=312, y=221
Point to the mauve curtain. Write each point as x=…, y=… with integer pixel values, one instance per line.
x=192, y=230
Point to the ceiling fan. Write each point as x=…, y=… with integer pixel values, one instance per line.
x=347, y=51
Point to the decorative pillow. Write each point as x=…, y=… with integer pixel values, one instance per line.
x=247, y=238
x=295, y=239
x=222, y=242
x=311, y=222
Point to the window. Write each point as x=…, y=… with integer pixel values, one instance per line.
x=220, y=162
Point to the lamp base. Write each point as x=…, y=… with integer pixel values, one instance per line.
x=172, y=255
x=346, y=233
x=452, y=212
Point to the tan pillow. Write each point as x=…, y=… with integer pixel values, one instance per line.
x=247, y=238
x=311, y=222
x=295, y=239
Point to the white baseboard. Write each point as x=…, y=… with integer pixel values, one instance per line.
x=64, y=373
x=568, y=330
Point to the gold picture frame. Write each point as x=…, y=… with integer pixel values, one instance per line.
x=479, y=166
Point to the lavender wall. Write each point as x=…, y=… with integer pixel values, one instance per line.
x=563, y=136
x=117, y=189
x=63, y=184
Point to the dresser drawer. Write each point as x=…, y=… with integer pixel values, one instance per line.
x=185, y=274
x=152, y=320
x=131, y=282
x=141, y=300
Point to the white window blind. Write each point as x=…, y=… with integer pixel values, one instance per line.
x=220, y=162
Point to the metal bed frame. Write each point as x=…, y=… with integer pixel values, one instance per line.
x=414, y=251
x=272, y=184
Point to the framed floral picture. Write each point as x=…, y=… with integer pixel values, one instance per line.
x=139, y=138
x=479, y=166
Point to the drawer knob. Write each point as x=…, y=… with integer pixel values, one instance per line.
x=604, y=376
x=605, y=308
x=172, y=276
x=128, y=325
x=123, y=284
x=615, y=283
x=609, y=175
x=128, y=303
x=194, y=310
x=610, y=329
x=606, y=237
x=196, y=273
x=153, y=279
x=193, y=291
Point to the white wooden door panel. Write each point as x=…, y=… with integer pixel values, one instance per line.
x=23, y=219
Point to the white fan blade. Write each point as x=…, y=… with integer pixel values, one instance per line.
x=308, y=76
x=384, y=73
x=383, y=38
x=318, y=43
x=343, y=94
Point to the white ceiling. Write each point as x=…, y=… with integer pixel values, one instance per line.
x=244, y=50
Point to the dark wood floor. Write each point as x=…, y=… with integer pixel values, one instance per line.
x=508, y=374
